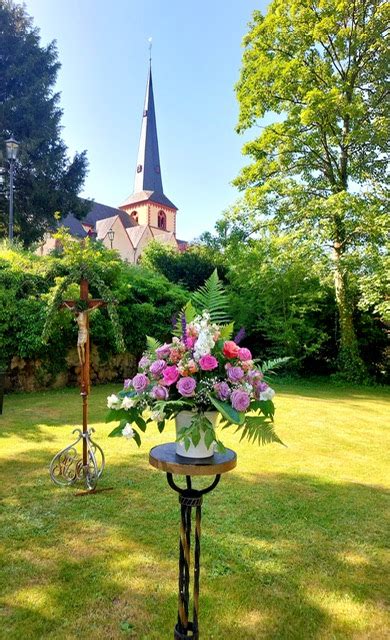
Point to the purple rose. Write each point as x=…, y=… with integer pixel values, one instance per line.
x=235, y=374
x=222, y=390
x=159, y=393
x=240, y=400
x=259, y=387
x=186, y=386
x=140, y=382
x=163, y=351
x=144, y=362
x=157, y=367
x=171, y=375
x=127, y=383
x=208, y=363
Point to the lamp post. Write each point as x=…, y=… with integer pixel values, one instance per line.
x=12, y=151
x=111, y=235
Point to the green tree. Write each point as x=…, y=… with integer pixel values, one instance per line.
x=46, y=180
x=318, y=70
x=189, y=269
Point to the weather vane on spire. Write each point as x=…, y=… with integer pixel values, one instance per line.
x=150, y=40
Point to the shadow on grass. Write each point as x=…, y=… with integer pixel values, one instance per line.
x=278, y=551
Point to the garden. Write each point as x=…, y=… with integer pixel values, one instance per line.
x=293, y=540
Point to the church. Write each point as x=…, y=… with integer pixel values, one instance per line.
x=146, y=215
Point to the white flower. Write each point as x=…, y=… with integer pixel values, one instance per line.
x=128, y=432
x=113, y=402
x=128, y=403
x=158, y=416
x=268, y=394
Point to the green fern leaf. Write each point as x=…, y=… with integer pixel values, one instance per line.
x=258, y=429
x=270, y=365
x=152, y=343
x=212, y=297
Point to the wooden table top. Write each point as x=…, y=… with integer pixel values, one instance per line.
x=164, y=458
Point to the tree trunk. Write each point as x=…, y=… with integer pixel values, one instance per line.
x=349, y=361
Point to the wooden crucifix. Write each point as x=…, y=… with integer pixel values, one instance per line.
x=83, y=347
x=66, y=467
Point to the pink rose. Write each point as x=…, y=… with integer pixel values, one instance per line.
x=186, y=387
x=244, y=354
x=208, y=363
x=230, y=349
x=170, y=375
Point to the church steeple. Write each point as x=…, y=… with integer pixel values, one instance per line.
x=148, y=172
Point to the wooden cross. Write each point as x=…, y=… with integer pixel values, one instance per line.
x=83, y=348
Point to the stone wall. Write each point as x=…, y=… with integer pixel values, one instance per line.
x=34, y=375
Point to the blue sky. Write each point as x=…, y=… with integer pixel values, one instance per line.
x=103, y=49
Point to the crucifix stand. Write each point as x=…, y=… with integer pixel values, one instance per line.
x=67, y=467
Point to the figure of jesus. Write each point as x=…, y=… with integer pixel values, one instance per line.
x=81, y=317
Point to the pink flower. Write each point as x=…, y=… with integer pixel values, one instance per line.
x=230, y=349
x=190, y=341
x=240, y=400
x=208, y=363
x=235, y=374
x=159, y=393
x=157, y=367
x=140, y=382
x=163, y=351
x=186, y=387
x=170, y=375
x=244, y=354
x=127, y=383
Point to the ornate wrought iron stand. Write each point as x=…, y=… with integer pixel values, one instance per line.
x=67, y=466
x=165, y=459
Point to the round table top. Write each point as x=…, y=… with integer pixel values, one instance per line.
x=164, y=458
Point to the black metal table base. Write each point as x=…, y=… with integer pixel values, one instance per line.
x=189, y=498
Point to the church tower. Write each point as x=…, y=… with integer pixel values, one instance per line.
x=147, y=205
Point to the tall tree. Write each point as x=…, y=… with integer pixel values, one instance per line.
x=46, y=180
x=317, y=69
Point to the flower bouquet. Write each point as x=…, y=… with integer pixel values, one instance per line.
x=198, y=377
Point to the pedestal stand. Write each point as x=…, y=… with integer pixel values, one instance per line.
x=164, y=458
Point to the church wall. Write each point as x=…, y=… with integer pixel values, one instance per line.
x=143, y=243
x=121, y=242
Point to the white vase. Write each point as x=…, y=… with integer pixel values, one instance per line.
x=184, y=419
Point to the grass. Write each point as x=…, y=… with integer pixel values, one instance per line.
x=293, y=540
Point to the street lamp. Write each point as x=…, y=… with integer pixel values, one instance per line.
x=12, y=151
x=111, y=235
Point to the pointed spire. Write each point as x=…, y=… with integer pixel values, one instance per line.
x=148, y=174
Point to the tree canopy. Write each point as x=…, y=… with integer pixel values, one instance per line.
x=46, y=180
x=318, y=71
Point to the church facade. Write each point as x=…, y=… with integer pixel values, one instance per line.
x=146, y=215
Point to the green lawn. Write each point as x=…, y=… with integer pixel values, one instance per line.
x=293, y=540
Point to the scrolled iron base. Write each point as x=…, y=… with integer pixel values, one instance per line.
x=67, y=468
x=189, y=498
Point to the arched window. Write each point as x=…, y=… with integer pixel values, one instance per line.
x=134, y=216
x=161, y=220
